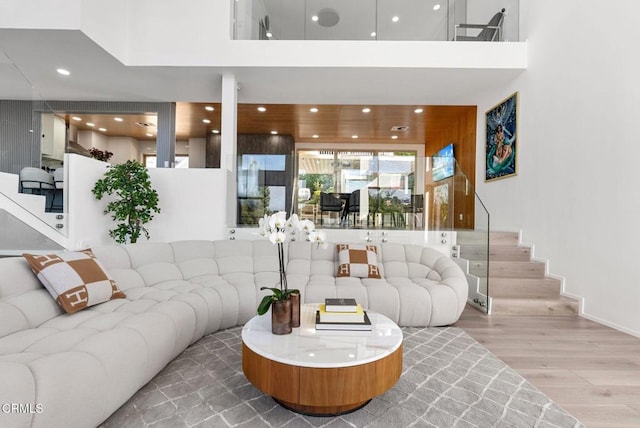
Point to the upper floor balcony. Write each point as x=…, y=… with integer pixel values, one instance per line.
x=405, y=20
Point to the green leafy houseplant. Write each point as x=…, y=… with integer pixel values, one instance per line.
x=135, y=202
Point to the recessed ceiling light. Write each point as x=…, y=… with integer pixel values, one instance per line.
x=274, y=132
x=315, y=136
x=269, y=34
x=373, y=34
x=149, y=134
x=395, y=19
x=436, y=7
x=76, y=118
x=394, y=137
x=118, y=119
x=209, y=108
x=366, y=110
x=63, y=71
x=215, y=131
x=314, y=18
x=91, y=124
x=313, y=109
x=262, y=109
x=418, y=110
x=102, y=129
x=206, y=121
x=354, y=136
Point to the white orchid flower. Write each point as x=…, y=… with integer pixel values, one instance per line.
x=318, y=237
x=278, y=220
x=306, y=225
x=263, y=225
x=293, y=222
x=278, y=237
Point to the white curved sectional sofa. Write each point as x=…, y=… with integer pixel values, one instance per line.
x=74, y=370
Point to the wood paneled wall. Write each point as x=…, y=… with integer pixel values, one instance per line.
x=457, y=125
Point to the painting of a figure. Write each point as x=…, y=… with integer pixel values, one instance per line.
x=501, y=147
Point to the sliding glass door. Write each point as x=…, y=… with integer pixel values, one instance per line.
x=374, y=188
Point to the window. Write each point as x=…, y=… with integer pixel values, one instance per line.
x=182, y=161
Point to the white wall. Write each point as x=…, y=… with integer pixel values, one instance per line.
x=89, y=139
x=107, y=22
x=191, y=202
x=86, y=223
x=123, y=149
x=577, y=193
x=197, y=152
x=53, y=14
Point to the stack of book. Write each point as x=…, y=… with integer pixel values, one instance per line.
x=342, y=314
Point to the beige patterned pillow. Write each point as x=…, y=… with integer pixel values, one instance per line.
x=76, y=279
x=360, y=261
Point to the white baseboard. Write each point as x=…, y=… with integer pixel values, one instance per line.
x=614, y=326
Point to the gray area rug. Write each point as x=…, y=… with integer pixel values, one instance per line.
x=448, y=380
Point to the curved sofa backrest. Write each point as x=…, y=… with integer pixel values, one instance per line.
x=24, y=302
x=149, y=263
x=394, y=260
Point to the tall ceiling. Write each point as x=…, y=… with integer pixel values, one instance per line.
x=29, y=59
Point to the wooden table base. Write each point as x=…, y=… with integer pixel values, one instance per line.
x=322, y=391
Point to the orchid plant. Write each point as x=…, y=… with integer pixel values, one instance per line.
x=279, y=228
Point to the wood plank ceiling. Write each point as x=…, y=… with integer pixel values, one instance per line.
x=326, y=123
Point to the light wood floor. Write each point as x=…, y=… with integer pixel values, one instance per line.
x=590, y=370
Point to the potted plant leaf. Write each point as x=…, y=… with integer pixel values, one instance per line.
x=135, y=200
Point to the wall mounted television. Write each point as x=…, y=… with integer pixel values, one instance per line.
x=444, y=162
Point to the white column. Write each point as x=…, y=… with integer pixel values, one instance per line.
x=228, y=145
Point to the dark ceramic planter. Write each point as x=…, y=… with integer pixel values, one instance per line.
x=281, y=317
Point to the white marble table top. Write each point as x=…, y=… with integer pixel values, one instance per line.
x=307, y=347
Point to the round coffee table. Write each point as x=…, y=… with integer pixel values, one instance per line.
x=322, y=372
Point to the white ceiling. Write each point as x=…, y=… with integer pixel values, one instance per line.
x=29, y=58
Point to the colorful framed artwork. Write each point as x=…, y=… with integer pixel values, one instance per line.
x=501, y=152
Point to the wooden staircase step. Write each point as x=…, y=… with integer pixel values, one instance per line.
x=495, y=238
x=556, y=307
x=496, y=252
x=526, y=288
x=517, y=285
x=508, y=269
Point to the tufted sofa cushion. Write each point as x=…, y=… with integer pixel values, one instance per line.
x=419, y=286
x=81, y=367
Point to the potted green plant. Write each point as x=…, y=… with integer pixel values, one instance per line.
x=279, y=228
x=135, y=201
